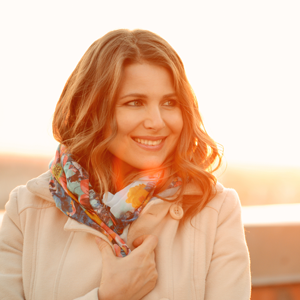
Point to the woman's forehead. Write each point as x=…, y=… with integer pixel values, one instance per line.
x=145, y=78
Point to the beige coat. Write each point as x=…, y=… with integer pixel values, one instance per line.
x=46, y=255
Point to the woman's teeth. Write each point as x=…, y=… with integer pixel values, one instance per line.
x=148, y=142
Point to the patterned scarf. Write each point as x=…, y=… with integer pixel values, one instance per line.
x=75, y=197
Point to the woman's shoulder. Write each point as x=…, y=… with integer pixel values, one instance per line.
x=225, y=199
x=35, y=194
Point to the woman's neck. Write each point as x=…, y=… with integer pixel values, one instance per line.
x=122, y=171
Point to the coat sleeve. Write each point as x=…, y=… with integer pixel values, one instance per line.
x=228, y=276
x=11, y=247
x=11, y=253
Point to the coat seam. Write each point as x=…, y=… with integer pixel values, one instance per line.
x=31, y=206
x=212, y=208
x=213, y=247
x=171, y=282
x=227, y=193
x=218, y=225
x=61, y=264
x=34, y=261
x=37, y=249
x=44, y=197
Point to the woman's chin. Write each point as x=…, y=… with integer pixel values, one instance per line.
x=149, y=166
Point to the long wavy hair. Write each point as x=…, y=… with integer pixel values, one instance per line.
x=85, y=113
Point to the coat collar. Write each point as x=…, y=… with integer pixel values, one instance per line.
x=154, y=210
x=40, y=186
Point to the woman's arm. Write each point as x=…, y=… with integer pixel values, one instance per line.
x=11, y=247
x=228, y=277
x=11, y=253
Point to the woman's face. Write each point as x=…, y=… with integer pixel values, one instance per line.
x=148, y=117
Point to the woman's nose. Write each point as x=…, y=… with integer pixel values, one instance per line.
x=154, y=120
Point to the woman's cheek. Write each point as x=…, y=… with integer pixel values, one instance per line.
x=175, y=122
x=127, y=120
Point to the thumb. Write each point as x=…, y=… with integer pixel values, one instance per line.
x=146, y=242
x=104, y=247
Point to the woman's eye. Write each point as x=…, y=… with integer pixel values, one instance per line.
x=170, y=103
x=134, y=103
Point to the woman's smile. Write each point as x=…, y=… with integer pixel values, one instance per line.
x=148, y=117
x=149, y=142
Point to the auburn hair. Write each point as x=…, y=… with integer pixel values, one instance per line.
x=85, y=113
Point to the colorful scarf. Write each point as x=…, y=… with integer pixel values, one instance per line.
x=75, y=197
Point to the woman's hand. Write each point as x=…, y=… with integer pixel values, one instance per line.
x=130, y=277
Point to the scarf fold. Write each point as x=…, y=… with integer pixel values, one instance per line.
x=74, y=196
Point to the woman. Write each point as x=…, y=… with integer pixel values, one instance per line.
x=130, y=208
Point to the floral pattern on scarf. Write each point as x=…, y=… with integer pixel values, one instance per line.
x=75, y=197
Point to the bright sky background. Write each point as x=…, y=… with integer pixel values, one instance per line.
x=241, y=57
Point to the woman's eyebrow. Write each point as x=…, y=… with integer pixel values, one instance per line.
x=134, y=95
x=145, y=96
x=170, y=95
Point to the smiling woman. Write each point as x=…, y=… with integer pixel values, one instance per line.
x=148, y=117
x=130, y=208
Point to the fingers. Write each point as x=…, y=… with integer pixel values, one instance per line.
x=104, y=247
x=117, y=250
x=138, y=241
x=146, y=242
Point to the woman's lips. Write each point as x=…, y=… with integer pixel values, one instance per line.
x=150, y=143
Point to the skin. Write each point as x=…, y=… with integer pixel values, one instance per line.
x=131, y=277
x=147, y=106
x=147, y=109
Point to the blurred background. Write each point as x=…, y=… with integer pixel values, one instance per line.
x=242, y=60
